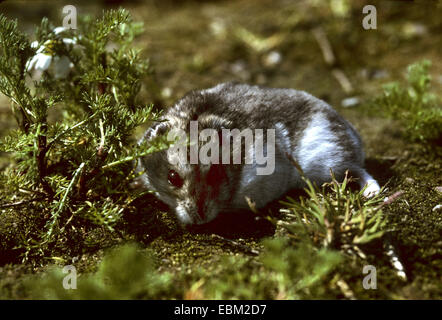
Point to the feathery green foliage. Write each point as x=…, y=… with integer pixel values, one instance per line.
x=72, y=154
x=415, y=106
x=335, y=216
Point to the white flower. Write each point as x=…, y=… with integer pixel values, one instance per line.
x=41, y=60
x=59, y=30
x=45, y=57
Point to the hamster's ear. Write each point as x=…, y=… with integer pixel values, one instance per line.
x=213, y=121
x=158, y=129
x=217, y=123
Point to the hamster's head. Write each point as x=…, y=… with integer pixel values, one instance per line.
x=197, y=193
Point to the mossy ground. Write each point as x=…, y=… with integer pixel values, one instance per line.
x=196, y=45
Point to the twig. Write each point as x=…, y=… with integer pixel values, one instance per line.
x=345, y=289
x=63, y=201
x=394, y=260
x=102, y=86
x=251, y=204
x=236, y=244
x=343, y=80
x=330, y=59
x=389, y=200
x=50, y=144
x=388, y=246
x=324, y=45
x=41, y=159
x=150, y=150
x=102, y=154
x=102, y=134
x=19, y=203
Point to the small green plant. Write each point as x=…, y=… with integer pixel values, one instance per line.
x=335, y=217
x=74, y=96
x=129, y=272
x=417, y=109
x=126, y=272
x=282, y=271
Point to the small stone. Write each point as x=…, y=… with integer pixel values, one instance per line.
x=240, y=69
x=166, y=92
x=409, y=180
x=218, y=28
x=238, y=66
x=438, y=189
x=437, y=207
x=350, y=102
x=411, y=30
x=379, y=74
x=272, y=59
x=373, y=73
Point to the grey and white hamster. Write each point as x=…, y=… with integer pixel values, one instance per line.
x=305, y=129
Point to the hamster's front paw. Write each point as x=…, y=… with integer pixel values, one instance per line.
x=372, y=189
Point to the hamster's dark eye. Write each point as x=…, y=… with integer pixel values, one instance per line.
x=174, y=179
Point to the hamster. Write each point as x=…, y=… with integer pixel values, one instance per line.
x=305, y=129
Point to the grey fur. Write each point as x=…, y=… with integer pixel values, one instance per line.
x=307, y=129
